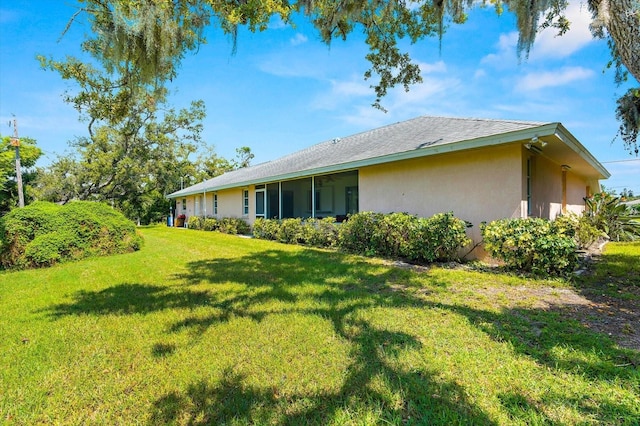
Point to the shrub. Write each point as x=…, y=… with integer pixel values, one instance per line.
x=439, y=237
x=607, y=213
x=233, y=226
x=266, y=229
x=290, y=231
x=195, y=222
x=320, y=232
x=357, y=235
x=583, y=232
x=393, y=235
x=313, y=232
x=210, y=224
x=532, y=245
x=43, y=234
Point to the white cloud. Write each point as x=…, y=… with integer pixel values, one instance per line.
x=540, y=80
x=506, y=54
x=342, y=92
x=480, y=73
x=282, y=65
x=298, y=39
x=276, y=23
x=426, y=68
x=549, y=45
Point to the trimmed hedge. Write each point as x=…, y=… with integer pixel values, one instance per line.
x=227, y=225
x=534, y=245
x=395, y=235
x=313, y=232
x=43, y=234
x=401, y=235
x=580, y=227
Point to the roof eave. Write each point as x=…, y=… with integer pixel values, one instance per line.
x=563, y=134
x=548, y=129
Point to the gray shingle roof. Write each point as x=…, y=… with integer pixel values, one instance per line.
x=341, y=154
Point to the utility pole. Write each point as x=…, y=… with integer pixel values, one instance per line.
x=15, y=142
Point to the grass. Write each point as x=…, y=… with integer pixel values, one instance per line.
x=619, y=269
x=205, y=328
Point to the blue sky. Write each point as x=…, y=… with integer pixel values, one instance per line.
x=284, y=90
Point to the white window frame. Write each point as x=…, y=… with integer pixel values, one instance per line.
x=245, y=202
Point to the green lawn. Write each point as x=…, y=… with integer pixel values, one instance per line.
x=205, y=328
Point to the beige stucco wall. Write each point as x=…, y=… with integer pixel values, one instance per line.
x=547, y=189
x=576, y=192
x=229, y=203
x=477, y=185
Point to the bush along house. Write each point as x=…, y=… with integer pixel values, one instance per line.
x=479, y=169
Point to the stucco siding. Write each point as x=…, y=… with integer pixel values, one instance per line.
x=479, y=185
x=576, y=191
x=229, y=203
x=547, y=188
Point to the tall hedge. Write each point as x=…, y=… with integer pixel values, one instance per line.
x=395, y=235
x=436, y=238
x=535, y=245
x=43, y=234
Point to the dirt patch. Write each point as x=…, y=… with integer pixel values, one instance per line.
x=619, y=319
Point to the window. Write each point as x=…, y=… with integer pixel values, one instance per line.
x=184, y=204
x=245, y=202
x=215, y=204
x=260, y=202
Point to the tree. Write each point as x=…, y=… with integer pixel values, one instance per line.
x=244, y=157
x=154, y=35
x=29, y=154
x=137, y=147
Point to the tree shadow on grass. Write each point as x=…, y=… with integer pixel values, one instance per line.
x=424, y=399
x=334, y=286
x=127, y=299
x=337, y=287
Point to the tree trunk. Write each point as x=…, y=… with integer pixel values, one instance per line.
x=621, y=18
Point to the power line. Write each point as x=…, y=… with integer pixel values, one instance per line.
x=620, y=161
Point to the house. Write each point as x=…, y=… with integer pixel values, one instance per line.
x=480, y=169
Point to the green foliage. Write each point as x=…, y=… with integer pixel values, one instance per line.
x=311, y=231
x=29, y=154
x=227, y=225
x=580, y=227
x=395, y=235
x=195, y=222
x=628, y=114
x=43, y=234
x=438, y=238
x=358, y=234
x=234, y=226
x=320, y=232
x=606, y=212
x=290, y=231
x=534, y=245
x=266, y=229
x=210, y=224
